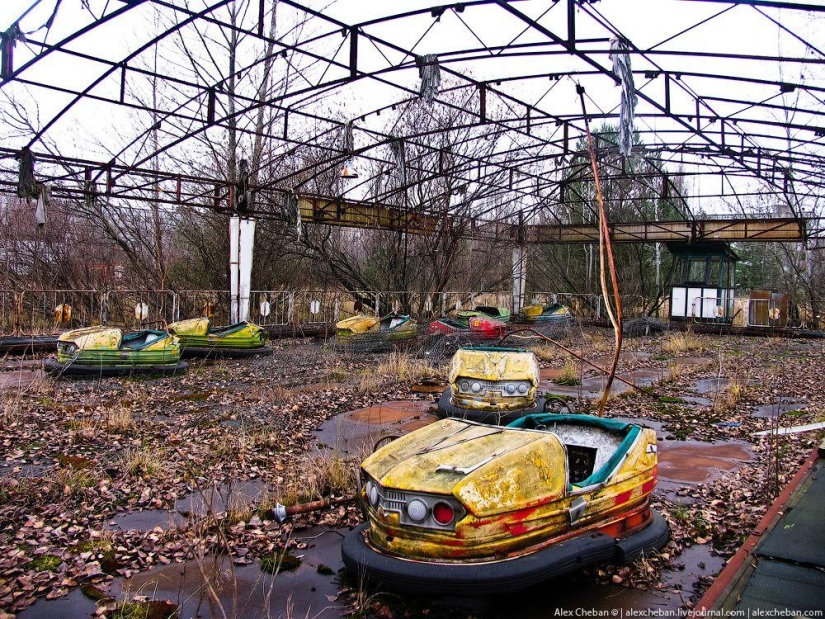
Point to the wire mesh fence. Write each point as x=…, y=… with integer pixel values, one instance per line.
x=135, y=309
x=215, y=304
x=48, y=311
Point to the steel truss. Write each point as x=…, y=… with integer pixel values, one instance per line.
x=716, y=122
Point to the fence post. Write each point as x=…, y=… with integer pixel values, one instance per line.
x=104, y=308
x=290, y=312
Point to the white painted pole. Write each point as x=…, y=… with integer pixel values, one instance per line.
x=245, y=252
x=519, y=277
x=234, y=258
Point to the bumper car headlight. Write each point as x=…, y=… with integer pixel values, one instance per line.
x=372, y=493
x=417, y=510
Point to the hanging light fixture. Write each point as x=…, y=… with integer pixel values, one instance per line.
x=349, y=171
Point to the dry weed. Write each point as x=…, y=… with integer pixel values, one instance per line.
x=681, y=342
x=400, y=367
x=569, y=373
x=143, y=461
x=545, y=352
x=119, y=419
x=317, y=478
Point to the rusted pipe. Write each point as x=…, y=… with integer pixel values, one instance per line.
x=282, y=512
x=645, y=390
x=605, y=255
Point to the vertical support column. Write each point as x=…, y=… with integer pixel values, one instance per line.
x=241, y=245
x=123, y=82
x=234, y=266
x=261, y=14
x=7, y=42
x=246, y=248
x=353, y=52
x=571, y=25
x=519, y=277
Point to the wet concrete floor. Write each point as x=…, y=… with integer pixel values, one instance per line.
x=357, y=431
x=591, y=387
x=694, y=462
x=308, y=593
x=779, y=407
x=243, y=592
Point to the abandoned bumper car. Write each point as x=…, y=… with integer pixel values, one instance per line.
x=198, y=338
x=492, y=385
x=371, y=334
x=106, y=351
x=477, y=327
x=463, y=508
x=555, y=312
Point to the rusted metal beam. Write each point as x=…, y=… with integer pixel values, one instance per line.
x=339, y=212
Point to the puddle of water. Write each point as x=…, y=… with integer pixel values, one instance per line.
x=593, y=386
x=781, y=406
x=147, y=520
x=19, y=379
x=358, y=430
x=241, y=493
x=75, y=605
x=259, y=594
x=689, y=463
x=301, y=593
x=710, y=385
x=31, y=469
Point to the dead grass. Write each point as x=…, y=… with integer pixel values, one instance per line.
x=319, y=477
x=370, y=382
x=403, y=368
x=569, y=373
x=119, y=419
x=143, y=461
x=598, y=342
x=84, y=429
x=732, y=394
x=73, y=481
x=395, y=368
x=681, y=342
x=545, y=352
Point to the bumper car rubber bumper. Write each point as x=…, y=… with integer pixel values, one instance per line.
x=508, y=575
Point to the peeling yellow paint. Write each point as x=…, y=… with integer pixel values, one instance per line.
x=518, y=498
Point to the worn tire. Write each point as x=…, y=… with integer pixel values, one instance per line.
x=471, y=579
x=652, y=537
x=216, y=352
x=447, y=409
x=97, y=371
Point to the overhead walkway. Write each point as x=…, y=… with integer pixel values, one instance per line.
x=354, y=214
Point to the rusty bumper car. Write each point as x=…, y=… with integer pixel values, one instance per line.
x=462, y=508
x=492, y=385
x=199, y=338
x=107, y=351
